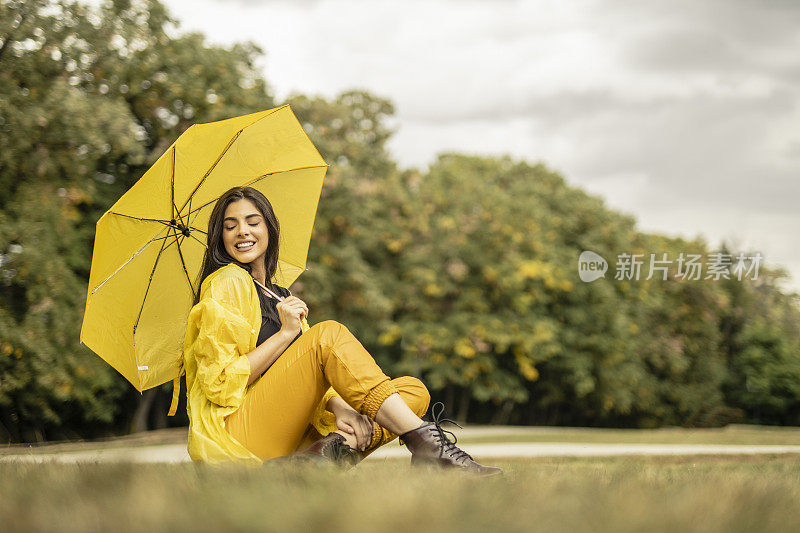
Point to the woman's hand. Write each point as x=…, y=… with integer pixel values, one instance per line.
x=291, y=310
x=351, y=421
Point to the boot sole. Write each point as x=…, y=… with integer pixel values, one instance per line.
x=432, y=465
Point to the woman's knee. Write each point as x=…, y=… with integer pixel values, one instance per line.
x=328, y=328
x=414, y=392
x=329, y=325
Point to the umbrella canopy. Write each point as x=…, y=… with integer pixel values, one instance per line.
x=149, y=246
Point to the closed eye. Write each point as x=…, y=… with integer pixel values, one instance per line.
x=234, y=227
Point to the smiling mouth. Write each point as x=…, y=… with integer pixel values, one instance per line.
x=245, y=246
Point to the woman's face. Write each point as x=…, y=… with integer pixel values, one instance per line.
x=244, y=231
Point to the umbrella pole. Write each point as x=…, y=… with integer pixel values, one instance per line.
x=268, y=291
x=303, y=322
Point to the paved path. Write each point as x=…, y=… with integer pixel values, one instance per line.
x=571, y=449
x=176, y=453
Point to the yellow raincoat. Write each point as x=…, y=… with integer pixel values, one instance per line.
x=222, y=329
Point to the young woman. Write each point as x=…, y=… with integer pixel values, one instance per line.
x=259, y=387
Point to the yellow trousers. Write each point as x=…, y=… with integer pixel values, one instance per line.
x=274, y=419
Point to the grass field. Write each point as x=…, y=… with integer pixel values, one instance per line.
x=699, y=493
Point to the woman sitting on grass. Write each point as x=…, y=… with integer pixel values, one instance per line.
x=260, y=388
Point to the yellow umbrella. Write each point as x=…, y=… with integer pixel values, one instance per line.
x=149, y=246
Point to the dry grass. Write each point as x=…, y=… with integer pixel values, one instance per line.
x=730, y=494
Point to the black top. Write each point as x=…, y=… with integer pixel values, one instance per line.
x=269, y=326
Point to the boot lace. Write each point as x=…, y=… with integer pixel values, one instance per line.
x=341, y=453
x=441, y=434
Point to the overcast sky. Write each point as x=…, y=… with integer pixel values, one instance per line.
x=684, y=114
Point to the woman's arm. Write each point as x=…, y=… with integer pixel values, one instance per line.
x=290, y=310
x=351, y=421
x=266, y=353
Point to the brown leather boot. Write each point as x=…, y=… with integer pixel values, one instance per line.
x=330, y=448
x=429, y=445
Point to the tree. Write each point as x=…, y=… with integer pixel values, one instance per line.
x=89, y=97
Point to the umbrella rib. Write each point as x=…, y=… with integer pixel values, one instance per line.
x=192, y=211
x=204, y=205
x=172, y=186
x=164, y=246
x=213, y=166
x=183, y=263
x=198, y=240
x=289, y=170
x=180, y=219
x=191, y=220
x=192, y=227
x=165, y=222
x=292, y=264
x=145, y=245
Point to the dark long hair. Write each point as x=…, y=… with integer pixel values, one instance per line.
x=217, y=257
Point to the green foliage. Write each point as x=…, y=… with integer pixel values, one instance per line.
x=48, y=381
x=763, y=351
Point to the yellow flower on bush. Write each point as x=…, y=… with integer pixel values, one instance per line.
x=464, y=348
x=390, y=336
x=526, y=368
x=432, y=289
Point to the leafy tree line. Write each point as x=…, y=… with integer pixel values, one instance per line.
x=465, y=275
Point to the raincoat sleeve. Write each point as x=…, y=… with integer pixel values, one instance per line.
x=222, y=342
